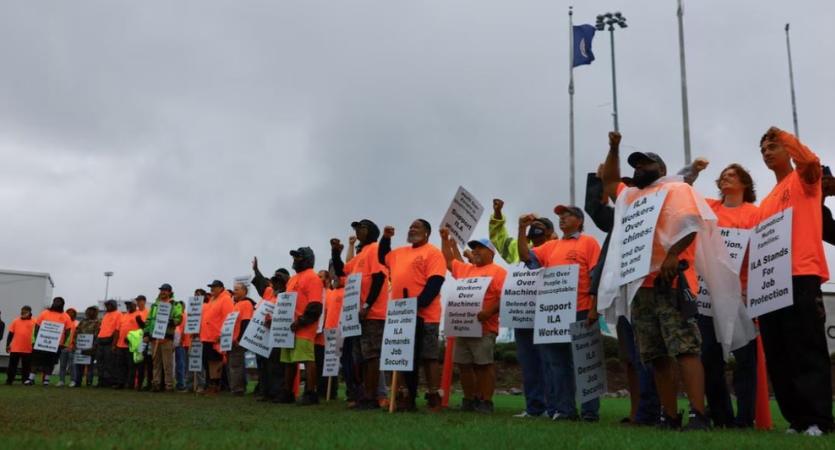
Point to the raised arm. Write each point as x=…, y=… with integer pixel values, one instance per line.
x=522, y=237
x=611, y=167
x=384, y=247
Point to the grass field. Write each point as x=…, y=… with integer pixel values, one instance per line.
x=38, y=417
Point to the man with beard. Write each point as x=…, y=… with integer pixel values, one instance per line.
x=666, y=333
x=418, y=270
x=308, y=288
x=374, y=299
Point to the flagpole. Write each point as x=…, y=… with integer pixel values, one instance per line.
x=685, y=115
x=791, y=82
x=571, y=100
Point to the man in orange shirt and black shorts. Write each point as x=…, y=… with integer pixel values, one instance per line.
x=794, y=337
x=19, y=346
x=418, y=270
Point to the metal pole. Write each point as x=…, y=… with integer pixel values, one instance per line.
x=106, y=286
x=685, y=116
x=571, y=101
x=791, y=82
x=614, y=78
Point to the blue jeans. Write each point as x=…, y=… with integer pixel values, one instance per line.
x=180, y=366
x=558, y=362
x=532, y=372
x=649, y=407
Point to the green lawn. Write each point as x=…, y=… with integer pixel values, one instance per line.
x=40, y=417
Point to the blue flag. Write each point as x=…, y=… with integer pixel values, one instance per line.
x=583, y=34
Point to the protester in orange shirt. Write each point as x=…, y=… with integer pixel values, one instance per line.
x=126, y=369
x=664, y=331
x=333, y=297
x=106, y=345
x=308, y=288
x=418, y=270
x=214, y=314
x=574, y=248
x=374, y=299
x=734, y=209
x=44, y=361
x=474, y=356
x=270, y=370
x=794, y=337
x=197, y=381
x=19, y=346
x=65, y=358
x=236, y=357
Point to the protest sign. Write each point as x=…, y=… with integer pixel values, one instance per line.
x=589, y=363
x=84, y=341
x=770, y=265
x=226, y=331
x=194, y=313
x=556, y=304
x=81, y=359
x=462, y=216
x=195, y=356
x=637, y=230
x=281, y=336
x=462, y=306
x=399, y=335
x=49, y=336
x=161, y=321
x=518, y=302
x=256, y=337
x=349, y=320
x=331, y=362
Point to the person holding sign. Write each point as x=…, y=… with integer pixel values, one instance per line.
x=330, y=320
x=19, y=346
x=162, y=344
x=308, y=288
x=736, y=214
x=270, y=370
x=236, y=363
x=43, y=361
x=794, y=337
x=85, y=334
x=582, y=250
x=474, y=356
x=418, y=269
x=662, y=309
x=125, y=367
x=374, y=297
x=214, y=313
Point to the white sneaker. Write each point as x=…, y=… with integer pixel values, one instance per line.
x=813, y=431
x=72, y=384
x=525, y=415
x=791, y=431
x=59, y=384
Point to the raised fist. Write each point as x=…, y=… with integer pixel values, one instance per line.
x=614, y=139
x=700, y=164
x=498, y=204
x=336, y=245
x=388, y=232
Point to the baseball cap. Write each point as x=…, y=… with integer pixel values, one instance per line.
x=482, y=243
x=545, y=221
x=166, y=287
x=302, y=252
x=215, y=283
x=573, y=210
x=638, y=157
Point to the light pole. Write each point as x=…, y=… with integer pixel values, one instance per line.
x=107, y=276
x=791, y=82
x=610, y=20
x=685, y=114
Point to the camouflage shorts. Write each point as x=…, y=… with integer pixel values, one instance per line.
x=660, y=329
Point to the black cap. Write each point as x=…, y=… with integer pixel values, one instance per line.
x=302, y=252
x=216, y=283
x=573, y=210
x=166, y=287
x=283, y=271
x=545, y=221
x=637, y=157
x=373, y=229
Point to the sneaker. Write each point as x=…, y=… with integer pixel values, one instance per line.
x=697, y=422
x=666, y=422
x=590, y=419
x=468, y=405
x=59, y=384
x=28, y=383
x=813, y=431
x=46, y=382
x=557, y=417
x=526, y=415
x=72, y=384
x=484, y=407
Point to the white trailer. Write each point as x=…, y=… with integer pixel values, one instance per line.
x=17, y=289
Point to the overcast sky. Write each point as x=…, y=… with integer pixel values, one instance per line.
x=172, y=141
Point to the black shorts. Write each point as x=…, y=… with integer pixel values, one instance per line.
x=209, y=352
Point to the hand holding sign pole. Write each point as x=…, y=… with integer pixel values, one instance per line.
x=462, y=216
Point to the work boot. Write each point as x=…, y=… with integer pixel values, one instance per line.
x=668, y=423
x=484, y=406
x=468, y=405
x=697, y=422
